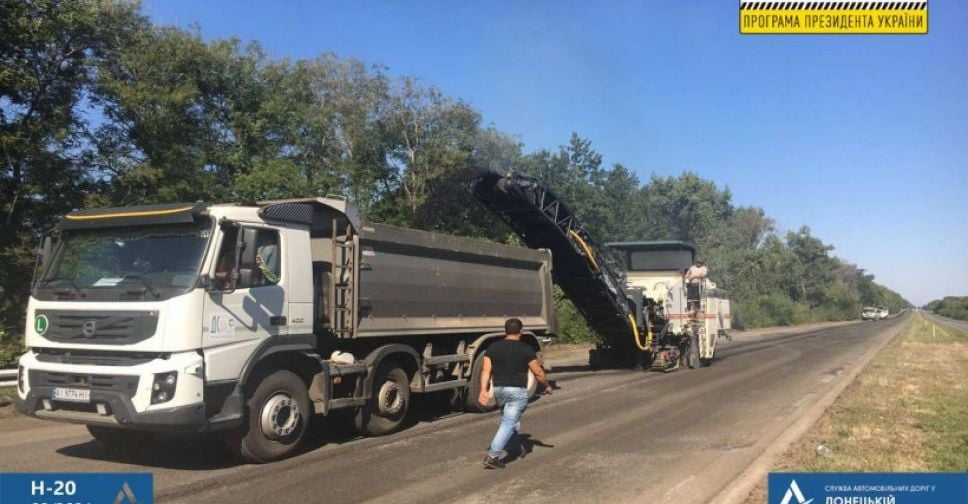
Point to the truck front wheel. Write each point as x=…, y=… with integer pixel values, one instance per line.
x=389, y=401
x=278, y=414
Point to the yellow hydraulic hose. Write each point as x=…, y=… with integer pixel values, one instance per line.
x=635, y=336
x=584, y=246
x=635, y=328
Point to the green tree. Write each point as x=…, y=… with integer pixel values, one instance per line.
x=100, y=107
x=50, y=52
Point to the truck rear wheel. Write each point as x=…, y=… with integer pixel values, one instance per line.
x=114, y=438
x=532, y=385
x=474, y=388
x=278, y=411
x=389, y=401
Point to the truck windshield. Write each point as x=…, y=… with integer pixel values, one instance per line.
x=149, y=262
x=655, y=260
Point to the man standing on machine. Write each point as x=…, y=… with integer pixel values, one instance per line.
x=694, y=278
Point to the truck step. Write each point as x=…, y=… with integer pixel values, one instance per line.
x=438, y=360
x=444, y=385
x=346, y=402
x=343, y=370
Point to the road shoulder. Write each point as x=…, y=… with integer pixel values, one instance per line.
x=772, y=447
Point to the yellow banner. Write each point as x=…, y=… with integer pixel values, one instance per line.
x=833, y=17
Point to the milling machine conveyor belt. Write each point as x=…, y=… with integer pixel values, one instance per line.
x=542, y=220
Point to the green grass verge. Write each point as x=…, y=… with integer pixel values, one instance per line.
x=908, y=411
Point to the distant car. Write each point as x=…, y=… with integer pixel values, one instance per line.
x=881, y=313
x=869, y=313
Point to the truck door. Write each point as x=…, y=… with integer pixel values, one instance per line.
x=244, y=309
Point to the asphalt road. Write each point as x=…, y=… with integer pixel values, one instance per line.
x=603, y=436
x=961, y=325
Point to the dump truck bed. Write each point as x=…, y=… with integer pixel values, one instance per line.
x=422, y=283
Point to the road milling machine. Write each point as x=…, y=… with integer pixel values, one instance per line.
x=633, y=293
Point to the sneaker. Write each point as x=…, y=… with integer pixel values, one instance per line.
x=493, y=463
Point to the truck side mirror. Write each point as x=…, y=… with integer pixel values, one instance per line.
x=247, y=249
x=245, y=252
x=44, y=253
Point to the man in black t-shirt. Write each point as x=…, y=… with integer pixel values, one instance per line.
x=507, y=362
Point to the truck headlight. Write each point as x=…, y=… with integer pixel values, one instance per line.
x=20, y=379
x=163, y=387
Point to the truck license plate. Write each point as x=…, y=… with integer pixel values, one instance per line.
x=72, y=394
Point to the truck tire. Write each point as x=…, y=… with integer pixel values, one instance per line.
x=278, y=416
x=474, y=388
x=389, y=402
x=532, y=385
x=120, y=439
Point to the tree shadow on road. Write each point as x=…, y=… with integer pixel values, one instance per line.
x=168, y=450
x=205, y=451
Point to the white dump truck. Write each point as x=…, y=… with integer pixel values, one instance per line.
x=249, y=318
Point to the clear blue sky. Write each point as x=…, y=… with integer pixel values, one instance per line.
x=863, y=138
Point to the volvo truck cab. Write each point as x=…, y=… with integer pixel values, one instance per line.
x=145, y=319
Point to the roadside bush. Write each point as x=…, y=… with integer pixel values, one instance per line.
x=778, y=309
x=572, y=327
x=763, y=311
x=11, y=346
x=951, y=306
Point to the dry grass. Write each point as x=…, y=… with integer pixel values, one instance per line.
x=908, y=411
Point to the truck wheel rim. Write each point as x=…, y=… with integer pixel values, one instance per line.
x=390, y=399
x=280, y=416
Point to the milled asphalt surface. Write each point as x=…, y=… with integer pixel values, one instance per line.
x=615, y=436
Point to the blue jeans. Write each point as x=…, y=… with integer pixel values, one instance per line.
x=513, y=400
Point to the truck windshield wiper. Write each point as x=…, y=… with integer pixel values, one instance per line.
x=144, y=281
x=69, y=280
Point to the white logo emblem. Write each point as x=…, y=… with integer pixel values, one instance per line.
x=221, y=325
x=125, y=493
x=794, y=491
x=89, y=328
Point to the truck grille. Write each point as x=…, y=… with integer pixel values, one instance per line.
x=96, y=358
x=126, y=385
x=101, y=328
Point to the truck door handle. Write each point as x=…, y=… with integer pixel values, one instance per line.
x=277, y=321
